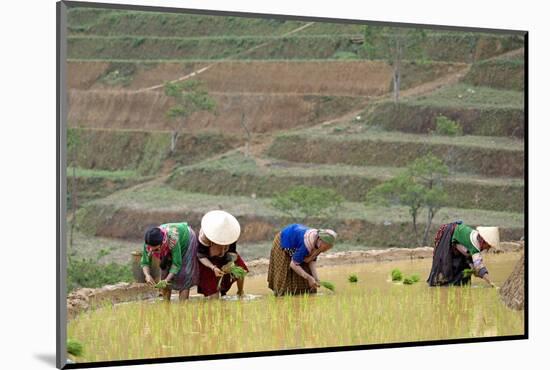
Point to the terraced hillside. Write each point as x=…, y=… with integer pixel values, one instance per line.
x=112, y=34
x=266, y=176
x=298, y=103
x=502, y=72
x=481, y=111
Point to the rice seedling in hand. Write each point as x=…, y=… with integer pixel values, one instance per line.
x=328, y=285
x=396, y=275
x=353, y=278
x=236, y=272
x=74, y=347
x=227, y=267
x=163, y=284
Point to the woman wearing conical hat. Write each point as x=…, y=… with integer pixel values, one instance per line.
x=457, y=253
x=218, y=246
x=292, y=264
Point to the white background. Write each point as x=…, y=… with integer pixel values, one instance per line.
x=28, y=180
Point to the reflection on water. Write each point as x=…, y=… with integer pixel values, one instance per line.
x=373, y=310
x=246, y=297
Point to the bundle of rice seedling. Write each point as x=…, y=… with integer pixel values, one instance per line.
x=409, y=280
x=353, y=278
x=227, y=267
x=74, y=347
x=163, y=284
x=396, y=275
x=236, y=272
x=328, y=285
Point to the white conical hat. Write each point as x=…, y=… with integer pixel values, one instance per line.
x=490, y=234
x=221, y=227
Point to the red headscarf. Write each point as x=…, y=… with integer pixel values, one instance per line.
x=164, y=246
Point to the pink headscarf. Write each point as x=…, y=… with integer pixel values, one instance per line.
x=164, y=246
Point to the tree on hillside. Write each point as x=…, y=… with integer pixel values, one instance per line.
x=392, y=43
x=419, y=186
x=189, y=97
x=302, y=202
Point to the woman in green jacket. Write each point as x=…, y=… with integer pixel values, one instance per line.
x=175, y=245
x=457, y=253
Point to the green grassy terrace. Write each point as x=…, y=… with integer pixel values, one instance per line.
x=493, y=157
x=498, y=73
x=465, y=96
x=166, y=198
x=480, y=110
x=90, y=184
x=296, y=46
x=125, y=214
x=109, y=22
x=138, y=151
x=238, y=175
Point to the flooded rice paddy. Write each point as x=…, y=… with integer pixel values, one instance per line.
x=374, y=310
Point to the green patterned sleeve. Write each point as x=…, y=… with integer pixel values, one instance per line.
x=145, y=259
x=176, y=235
x=176, y=259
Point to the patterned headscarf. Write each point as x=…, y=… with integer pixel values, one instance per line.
x=328, y=236
x=310, y=237
x=165, y=246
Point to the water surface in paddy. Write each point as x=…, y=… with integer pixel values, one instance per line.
x=376, y=275
x=373, y=310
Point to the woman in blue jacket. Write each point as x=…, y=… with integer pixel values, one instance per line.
x=292, y=264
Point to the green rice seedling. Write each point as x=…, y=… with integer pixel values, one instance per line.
x=408, y=281
x=466, y=273
x=227, y=267
x=371, y=315
x=163, y=284
x=353, y=278
x=328, y=285
x=396, y=275
x=415, y=278
x=74, y=347
x=237, y=272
